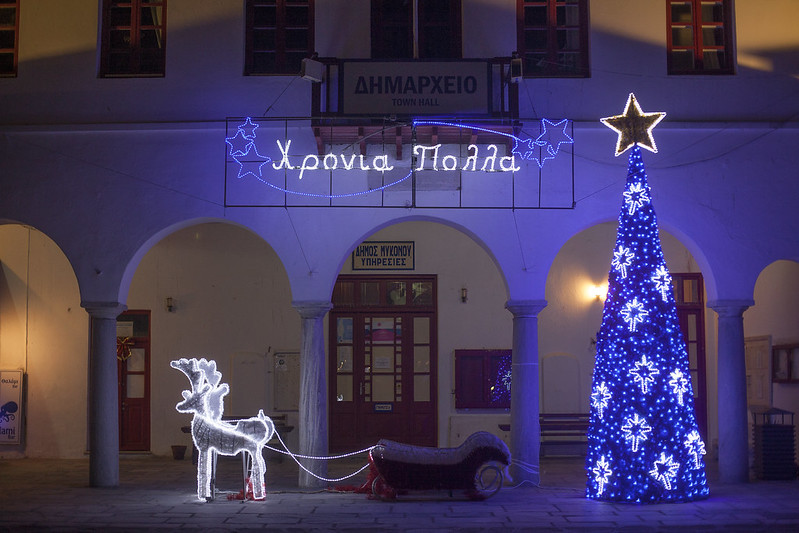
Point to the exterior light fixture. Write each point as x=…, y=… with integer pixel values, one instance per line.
x=464, y=294
x=599, y=292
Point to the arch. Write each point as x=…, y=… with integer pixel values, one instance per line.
x=775, y=315
x=44, y=333
x=569, y=323
x=231, y=297
x=134, y=262
x=775, y=311
x=364, y=234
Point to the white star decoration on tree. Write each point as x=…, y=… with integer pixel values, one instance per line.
x=634, y=313
x=644, y=373
x=634, y=126
x=635, y=197
x=665, y=470
x=696, y=447
x=679, y=383
x=622, y=258
x=635, y=430
x=662, y=281
x=602, y=472
x=600, y=397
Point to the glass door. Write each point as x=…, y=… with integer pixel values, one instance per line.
x=384, y=360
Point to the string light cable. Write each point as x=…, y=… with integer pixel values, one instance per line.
x=296, y=457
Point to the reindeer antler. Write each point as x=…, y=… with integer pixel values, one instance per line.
x=211, y=374
x=189, y=368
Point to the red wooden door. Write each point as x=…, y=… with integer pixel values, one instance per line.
x=383, y=361
x=133, y=374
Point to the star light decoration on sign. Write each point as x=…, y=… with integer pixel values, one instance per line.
x=244, y=152
x=634, y=126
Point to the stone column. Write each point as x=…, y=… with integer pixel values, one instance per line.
x=525, y=428
x=733, y=412
x=313, y=436
x=103, y=394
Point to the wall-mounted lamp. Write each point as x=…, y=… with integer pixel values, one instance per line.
x=464, y=294
x=170, y=305
x=599, y=292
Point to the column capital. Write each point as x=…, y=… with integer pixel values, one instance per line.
x=525, y=308
x=312, y=308
x=109, y=310
x=730, y=308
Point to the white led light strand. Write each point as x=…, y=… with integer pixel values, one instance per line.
x=665, y=469
x=679, y=384
x=211, y=434
x=600, y=397
x=622, y=258
x=662, y=281
x=635, y=198
x=634, y=313
x=296, y=458
x=602, y=472
x=696, y=448
x=644, y=373
x=635, y=430
x=243, y=150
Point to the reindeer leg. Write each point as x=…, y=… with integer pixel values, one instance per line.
x=204, y=474
x=257, y=475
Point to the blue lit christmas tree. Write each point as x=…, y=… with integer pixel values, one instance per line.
x=643, y=440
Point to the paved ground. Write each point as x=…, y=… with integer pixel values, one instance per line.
x=158, y=493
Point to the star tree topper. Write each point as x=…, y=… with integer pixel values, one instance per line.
x=634, y=126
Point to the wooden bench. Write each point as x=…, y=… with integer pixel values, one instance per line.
x=561, y=433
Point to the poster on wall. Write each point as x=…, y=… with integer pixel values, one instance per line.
x=287, y=381
x=10, y=406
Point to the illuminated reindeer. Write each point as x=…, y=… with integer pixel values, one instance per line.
x=210, y=432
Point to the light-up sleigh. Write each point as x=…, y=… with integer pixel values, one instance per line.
x=477, y=467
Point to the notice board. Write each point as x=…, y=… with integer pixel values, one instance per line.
x=10, y=406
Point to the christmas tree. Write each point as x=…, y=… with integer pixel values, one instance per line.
x=643, y=441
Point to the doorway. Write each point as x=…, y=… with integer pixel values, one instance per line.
x=689, y=295
x=133, y=380
x=383, y=361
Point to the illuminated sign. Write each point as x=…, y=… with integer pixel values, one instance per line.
x=423, y=163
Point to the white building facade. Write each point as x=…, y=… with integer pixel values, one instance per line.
x=119, y=191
